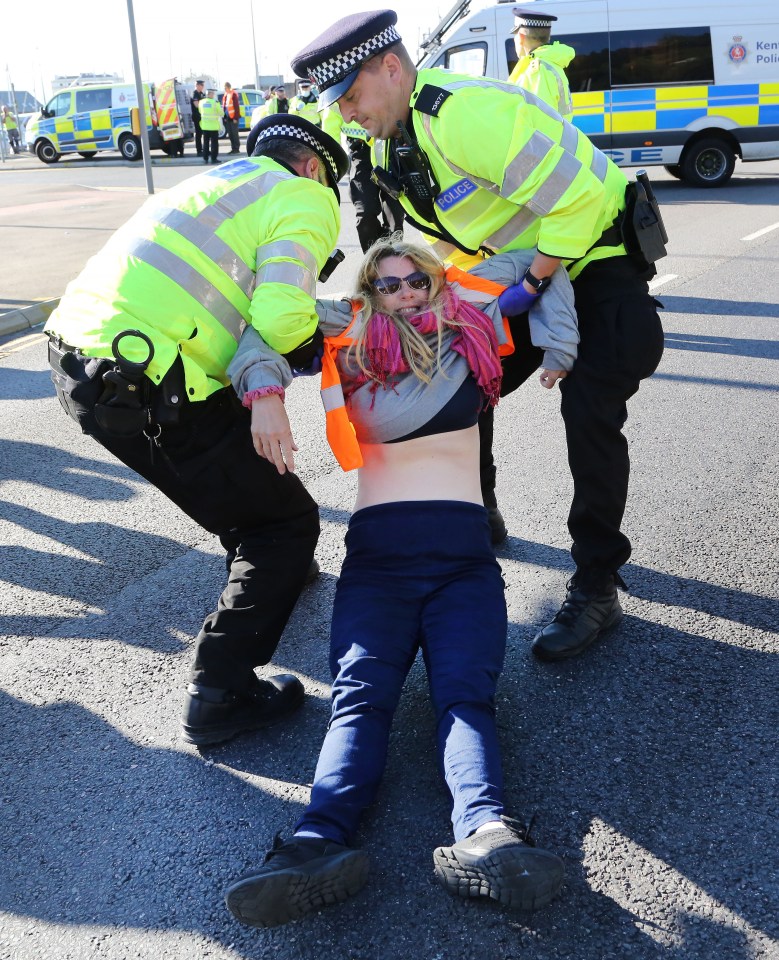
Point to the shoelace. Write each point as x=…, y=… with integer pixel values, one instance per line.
x=519, y=829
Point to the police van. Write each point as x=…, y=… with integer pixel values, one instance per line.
x=690, y=85
x=94, y=117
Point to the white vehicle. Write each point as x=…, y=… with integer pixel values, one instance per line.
x=692, y=86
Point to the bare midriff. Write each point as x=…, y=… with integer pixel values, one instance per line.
x=443, y=466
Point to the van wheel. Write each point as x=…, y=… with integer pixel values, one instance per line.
x=708, y=163
x=46, y=152
x=674, y=169
x=129, y=147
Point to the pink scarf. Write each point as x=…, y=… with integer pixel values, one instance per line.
x=477, y=343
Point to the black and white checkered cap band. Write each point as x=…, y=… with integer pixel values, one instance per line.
x=534, y=21
x=287, y=130
x=330, y=71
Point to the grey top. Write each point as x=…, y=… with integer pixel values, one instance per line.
x=382, y=415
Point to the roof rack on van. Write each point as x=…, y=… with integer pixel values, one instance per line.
x=435, y=36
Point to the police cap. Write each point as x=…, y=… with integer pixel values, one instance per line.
x=289, y=126
x=532, y=19
x=333, y=60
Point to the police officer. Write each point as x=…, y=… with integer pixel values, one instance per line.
x=377, y=214
x=198, y=95
x=306, y=104
x=484, y=167
x=541, y=65
x=210, y=112
x=139, y=350
x=279, y=102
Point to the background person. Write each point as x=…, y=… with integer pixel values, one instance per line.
x=534, y=183
x=416, y=362
x=210, y=113
x=198, y=94
x=378, y=215
x=541, y=65
x=183, y=276
x=12, y=128
x=306, y=104
x=231, y=107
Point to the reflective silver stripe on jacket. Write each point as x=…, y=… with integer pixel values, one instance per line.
x=565, y=107
x=187, y=277
x=332, y=397
x=600, y=164
x=288, y=250
x=209, y=244
x=468, y=293
x=282, y=271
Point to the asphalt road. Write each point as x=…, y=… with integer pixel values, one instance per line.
x=650, y=762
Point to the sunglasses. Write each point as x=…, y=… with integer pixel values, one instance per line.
x=389, y=285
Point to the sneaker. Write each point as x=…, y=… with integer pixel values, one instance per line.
x=297, y=877
x=213, y=715
x=586, y=613
x=502, y=864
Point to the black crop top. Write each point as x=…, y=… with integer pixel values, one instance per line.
x=458, y=413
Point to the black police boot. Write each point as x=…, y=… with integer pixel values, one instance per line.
x=501, y=864
x=498, y=531
x=299, y=876
x=591, y=607
x=212, y=715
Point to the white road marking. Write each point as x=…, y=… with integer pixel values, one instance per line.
x=659, y=281
x=759, y=233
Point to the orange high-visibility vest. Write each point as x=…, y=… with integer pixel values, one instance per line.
x=339, y=428
x=230, y=104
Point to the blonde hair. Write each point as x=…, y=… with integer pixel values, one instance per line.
x=422, y=359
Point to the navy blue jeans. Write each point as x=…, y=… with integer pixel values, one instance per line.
x=418, y=574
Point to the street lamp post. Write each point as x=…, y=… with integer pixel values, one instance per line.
x=254, y=48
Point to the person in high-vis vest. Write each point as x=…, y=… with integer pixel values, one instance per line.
x=231, y=117
x=407, y=365
x=279, y=102
x=8, y=121
x=377, y=214
x=210, y=112
x=483, y=167
x=541, y=65
x=306, y=104
x=139, y=348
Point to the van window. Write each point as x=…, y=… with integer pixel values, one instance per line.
x=58, y=106
x=662, y=56
x=589, y=69
x=253, y=98
x=468, y=58
x=92, y=99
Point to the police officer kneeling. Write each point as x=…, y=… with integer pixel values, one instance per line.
x=139, y=349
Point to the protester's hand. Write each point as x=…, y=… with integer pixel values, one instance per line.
x=271, y=432
x=549, y=378
x=515, y=300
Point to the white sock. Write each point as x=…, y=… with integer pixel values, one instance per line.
x=490, y=825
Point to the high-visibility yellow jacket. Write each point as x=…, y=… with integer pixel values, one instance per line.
x=535, y=181
x=240, y=245
x=210, y=113
x=306, y=107
x=542, y=72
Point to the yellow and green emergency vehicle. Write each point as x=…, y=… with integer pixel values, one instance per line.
x=691, y=86
x=94, y=117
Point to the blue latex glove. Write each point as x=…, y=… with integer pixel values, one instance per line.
x=515, y=300
x=313, y=368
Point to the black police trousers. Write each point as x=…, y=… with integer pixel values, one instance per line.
x=621, y=344
x=206, y=464
x=378, y=214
